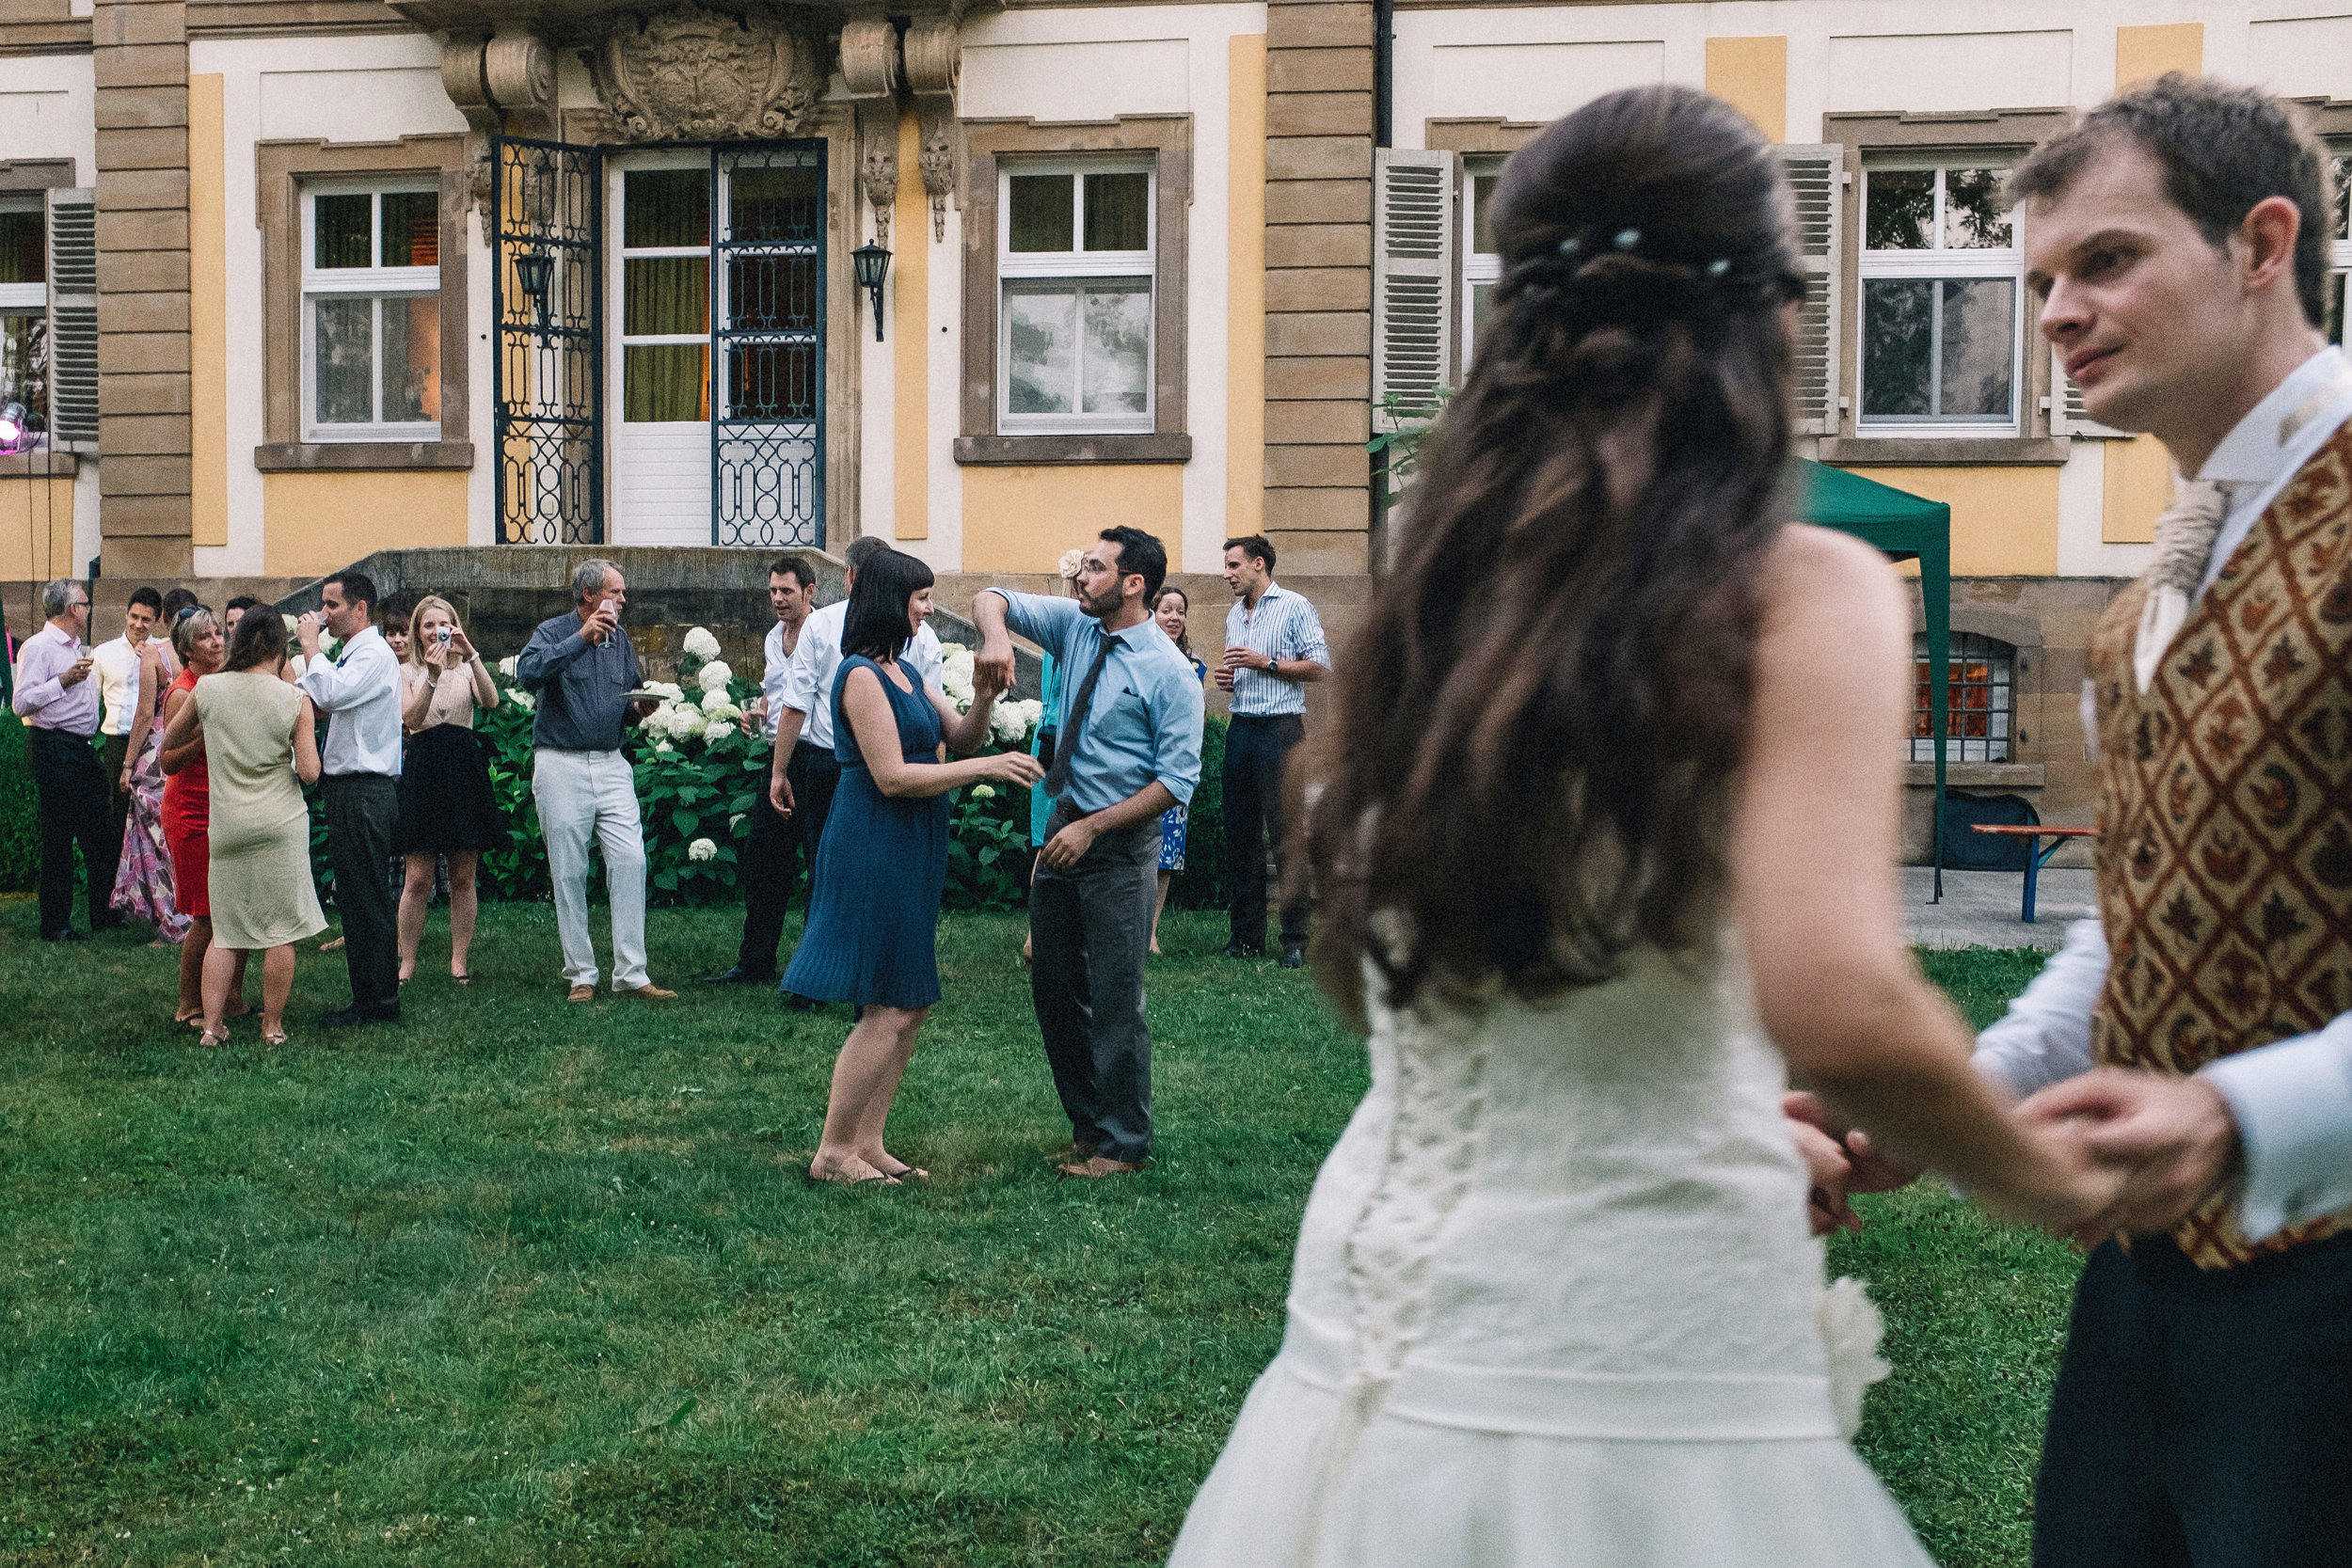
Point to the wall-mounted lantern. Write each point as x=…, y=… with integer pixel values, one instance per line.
x=873, y=266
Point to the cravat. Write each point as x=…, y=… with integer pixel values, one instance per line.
x=1074, y=724
x=2184, y=539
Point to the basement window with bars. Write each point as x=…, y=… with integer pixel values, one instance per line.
x=24, y=310
x=1979, y=700
x=372, y=312
x=1075, y=262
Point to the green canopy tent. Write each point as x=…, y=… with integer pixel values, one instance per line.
x=1906, y=528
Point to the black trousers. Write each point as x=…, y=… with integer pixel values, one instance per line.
x=113, y=749
x=1090, y=927
x=773, y=855
x=363, y=812
x=2201, y=1419
x=73, y=787
x=1255, y=751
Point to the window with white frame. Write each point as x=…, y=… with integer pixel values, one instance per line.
x=1075, y=263
x=2339, y=249
x=372, y=312
x=1482, y=262
x=24, y=311
x=1940, y=318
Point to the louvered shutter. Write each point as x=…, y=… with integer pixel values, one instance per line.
x=1413, y=277
x=1817, y=176
x=2067, y=416
x=73, y=318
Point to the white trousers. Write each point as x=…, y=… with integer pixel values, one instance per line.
x=583, y=795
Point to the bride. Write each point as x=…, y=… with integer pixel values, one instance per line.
x=1631, y=863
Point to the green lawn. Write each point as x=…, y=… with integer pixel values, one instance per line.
x=524, y=1283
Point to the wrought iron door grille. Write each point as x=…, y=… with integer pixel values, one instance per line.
x=547, y=204
x=768, y=347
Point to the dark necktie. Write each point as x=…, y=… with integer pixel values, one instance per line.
x=1074, y=722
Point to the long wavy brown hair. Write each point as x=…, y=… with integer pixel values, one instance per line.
x=1528, y=775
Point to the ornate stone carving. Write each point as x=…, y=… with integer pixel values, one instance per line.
x=870, y=64
x=869, y=57
x=689, y=74
x=502, y=83
x=934, y=57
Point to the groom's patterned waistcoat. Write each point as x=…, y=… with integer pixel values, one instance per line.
x=2225, y=814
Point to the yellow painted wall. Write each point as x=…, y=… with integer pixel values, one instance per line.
x=1245, y=289
x=2139, y=483
x=36, y=530
x=911, y=323
x=1752, y=75
x=1022, y=519
x=208, y=311
x=313, y=523
x=2142, y=54
x=2004, y=520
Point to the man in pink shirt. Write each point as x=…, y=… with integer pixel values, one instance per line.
x=58, y=703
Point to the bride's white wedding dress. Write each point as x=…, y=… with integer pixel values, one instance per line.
x=1556, y=1305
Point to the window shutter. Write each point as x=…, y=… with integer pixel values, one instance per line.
x=73, y=318
x=1413, y=279
x=2067, y=417
x=1817, y=176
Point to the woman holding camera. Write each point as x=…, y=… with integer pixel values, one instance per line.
x=446, y=807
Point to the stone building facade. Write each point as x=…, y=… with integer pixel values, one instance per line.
x=289, y=282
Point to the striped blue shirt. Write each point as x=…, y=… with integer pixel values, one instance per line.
x=1283, y=626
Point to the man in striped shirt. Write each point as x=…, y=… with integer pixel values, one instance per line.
x=1274, y=649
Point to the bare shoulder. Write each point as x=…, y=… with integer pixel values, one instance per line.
x=1817, y=577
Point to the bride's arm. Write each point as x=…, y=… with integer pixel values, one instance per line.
x=1814, y=840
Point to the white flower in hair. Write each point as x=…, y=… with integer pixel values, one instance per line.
x=701, y=644
x=715, y=675
x=701, y=850
x=1851, y=1330
x=1071, y=561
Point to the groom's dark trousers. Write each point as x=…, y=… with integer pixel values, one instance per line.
x=2202, y=1418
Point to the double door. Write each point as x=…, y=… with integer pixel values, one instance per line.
x=683, y=313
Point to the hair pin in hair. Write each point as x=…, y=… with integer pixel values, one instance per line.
x=1567, y=246
x=1720, y=265
x=1628, y=238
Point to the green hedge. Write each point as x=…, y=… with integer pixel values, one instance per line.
x=20, y=816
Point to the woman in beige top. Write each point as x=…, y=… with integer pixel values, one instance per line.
x=446, y=806
x=261, y=747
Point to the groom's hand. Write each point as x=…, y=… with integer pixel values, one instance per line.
x=1872, y=1169
x=1825, y=1161
x=2172, y=1138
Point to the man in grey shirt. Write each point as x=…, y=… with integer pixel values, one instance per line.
x=582, y=666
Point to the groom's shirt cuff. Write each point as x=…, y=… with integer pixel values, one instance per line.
x=2292, y=1101
x=2044, y=1037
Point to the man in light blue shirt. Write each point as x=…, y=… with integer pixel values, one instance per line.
x=1128, y=749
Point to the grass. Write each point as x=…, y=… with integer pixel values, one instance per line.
x=524, y=1283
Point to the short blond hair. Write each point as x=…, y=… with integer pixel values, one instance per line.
x=417, y=612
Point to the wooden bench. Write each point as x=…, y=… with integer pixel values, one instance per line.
x=2035, y=858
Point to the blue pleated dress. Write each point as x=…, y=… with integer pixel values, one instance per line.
x=873, y=919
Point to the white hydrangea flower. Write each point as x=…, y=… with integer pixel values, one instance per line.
x=683, y=720
x=1008, y=725
x=509, y=668
x=523, y=700
x=662, y=747
x=701, y=644
x=955, y=678
x=949, y=650
x=983, y=792
x=715, y=675
x=1850, y=1328
x=718, y=717
x=701, y=850
x=670, y=689
x=715, y=699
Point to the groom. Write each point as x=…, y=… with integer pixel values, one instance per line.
x=2200, y=1031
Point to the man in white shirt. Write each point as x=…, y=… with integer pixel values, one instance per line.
x=360, y=690
x=802, y=769
x=2196, y=1032
x=770, y=851
x=115, y=666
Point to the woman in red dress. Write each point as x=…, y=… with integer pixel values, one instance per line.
x=202, y=646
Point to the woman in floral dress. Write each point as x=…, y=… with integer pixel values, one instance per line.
x=143, y=885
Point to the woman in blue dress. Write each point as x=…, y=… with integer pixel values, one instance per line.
x=1173, y=613
x=874, y=909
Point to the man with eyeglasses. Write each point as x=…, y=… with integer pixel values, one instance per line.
x=58, y=703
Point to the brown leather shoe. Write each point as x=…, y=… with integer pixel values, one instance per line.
x=1102, y=1164
x=652, y=992
x=580, y=993
x=1071, y=1153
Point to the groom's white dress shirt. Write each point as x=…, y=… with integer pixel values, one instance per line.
x=2292, y=1100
